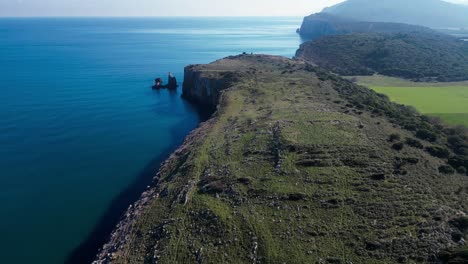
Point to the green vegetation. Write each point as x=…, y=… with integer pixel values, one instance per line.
x=419, y=56
x=323, y=24
x=298, y=166
x=448, y=101
x=431, y=13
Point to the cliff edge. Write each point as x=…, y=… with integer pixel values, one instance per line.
x=300, y=166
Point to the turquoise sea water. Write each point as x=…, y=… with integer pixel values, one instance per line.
x=82, y=133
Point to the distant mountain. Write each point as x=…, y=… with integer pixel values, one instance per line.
x=322, y=24
x=419, y=56
x=431, y=13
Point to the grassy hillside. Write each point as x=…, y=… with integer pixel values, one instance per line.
x=322, y=24
x=416, y=56
x=431, y=13
x=449, y=101
x=300, y=166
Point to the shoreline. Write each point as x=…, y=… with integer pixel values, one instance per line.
x=118, y=236
x=201, y=93
x=122, y=204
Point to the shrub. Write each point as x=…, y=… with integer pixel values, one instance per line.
x=462, y=170
x=462, y=151
x=414, y=143
x=296, y=197
x=398, y=146
x=438, y=152
x=244, y=180
x=436, y=122
x=446, y=169
x=394, y=137
x=378, y=177
x=459, y=130
x=461, y=223
x=425, y=134
x=455, y=256
x=410, y=127
x=456, y=141
x=411, y=160
x=458, y=161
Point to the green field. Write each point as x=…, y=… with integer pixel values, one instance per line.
x=449, y=101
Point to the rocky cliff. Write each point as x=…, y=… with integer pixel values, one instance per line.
x=205, y=87
x=300, y=166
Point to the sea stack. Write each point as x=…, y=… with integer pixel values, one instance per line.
x=172, y=81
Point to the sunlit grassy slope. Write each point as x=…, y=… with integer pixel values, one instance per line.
x=449, y=101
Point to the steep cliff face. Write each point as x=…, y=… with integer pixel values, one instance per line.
x=205, y=88
x=298, y=166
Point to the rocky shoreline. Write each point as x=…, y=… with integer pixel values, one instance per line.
x=200, y=90
x=124, y=227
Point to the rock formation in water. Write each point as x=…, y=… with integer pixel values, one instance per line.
x=171, y=83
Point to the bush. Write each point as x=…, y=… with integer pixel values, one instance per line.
x=425, y=134
x=414, y=143
x=456, y=141
x=446, y=169
x=458, y=161
x=438, y=152
x=410, y=127
x=461, y=223
x=411, y=160
x=398, y=146
x=394, y=137
x=455, y=256
x=461, y=170
x=462, y=151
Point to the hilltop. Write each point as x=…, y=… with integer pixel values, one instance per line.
x=323, y=24
x=300, y=166
x=431, y=13
x=420, y=56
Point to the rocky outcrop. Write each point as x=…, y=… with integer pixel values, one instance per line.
x=205, y=87
x=171, y=83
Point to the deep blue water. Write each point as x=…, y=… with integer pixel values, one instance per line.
x=79, y=124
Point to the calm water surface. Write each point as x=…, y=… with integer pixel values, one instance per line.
x=80, y=126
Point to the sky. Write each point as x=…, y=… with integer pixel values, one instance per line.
x=14, y=8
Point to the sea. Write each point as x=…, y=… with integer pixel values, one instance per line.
x=81, y=131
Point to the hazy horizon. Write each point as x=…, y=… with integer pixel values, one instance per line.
x=158, y=8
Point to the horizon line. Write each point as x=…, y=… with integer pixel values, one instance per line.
x=105, y=16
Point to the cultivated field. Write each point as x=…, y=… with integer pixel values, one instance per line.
x=449, y=101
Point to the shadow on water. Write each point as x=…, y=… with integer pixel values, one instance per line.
x=88, y=249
